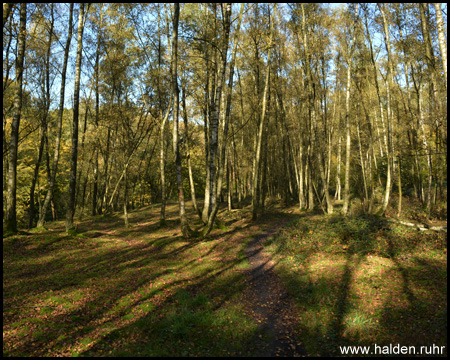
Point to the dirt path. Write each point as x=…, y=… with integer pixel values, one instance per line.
x=268, y=301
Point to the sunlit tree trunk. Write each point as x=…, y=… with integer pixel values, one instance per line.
x=162, y=157
x=125, y=196
x=223, y=147
x=388, y=112
x=7, y=65
x=433, y=72
x=185, y=230
x=413, y=131
x=214, y=156
x=51, y=185
x=43, y=131
x=97, y=116
x=346, y=195
x=191, y=178
x=206, y=113
x=76, y=106
x=418, y=88
x=257, y=158
x=441, y=37
x=10, y=218
x=337, y=194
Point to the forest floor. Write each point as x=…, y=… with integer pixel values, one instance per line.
x=290, y=284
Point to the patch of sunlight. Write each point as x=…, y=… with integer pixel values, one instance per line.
x=328, y=265
x=358, y=324
x=375, y=266
x=40, y=260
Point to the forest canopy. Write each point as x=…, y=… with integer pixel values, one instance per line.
x=114, y=106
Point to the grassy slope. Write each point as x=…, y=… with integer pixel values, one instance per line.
x=363, y=281
x=146, y=291
x=116, y=291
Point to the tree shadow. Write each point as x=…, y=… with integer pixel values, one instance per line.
x=114, y=275
x=329, y=301
x=64, y=266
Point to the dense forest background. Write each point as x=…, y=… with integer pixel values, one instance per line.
x=108, y=107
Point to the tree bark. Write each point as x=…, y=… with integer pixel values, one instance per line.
x=441, y=37
x=51, y=185
x=191, y=179
x=43, y=130
x=185, y=230
x=346, y=194
x=257, y=159
x=76, y=106
x=125, y=197
x=162, y=158
x=11, y=220
x=388, y=112
x=97, y=116
x=223, y=147
x=214, y=123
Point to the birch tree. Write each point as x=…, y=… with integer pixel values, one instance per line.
x=227, y=112
x=11, y=220
x=76, y=106
x=259, y=134
x=185, y=229
x=51, y=184
x=349, y=56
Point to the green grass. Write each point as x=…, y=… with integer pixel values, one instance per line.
x=363, y=281
x=110, y=291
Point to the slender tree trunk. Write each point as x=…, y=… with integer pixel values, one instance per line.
x=31, y=210
x=81, y=151
x=214, y=170
x=97, y=117
x=106, y=162
x=441, y=37
x=229, y=185
x=257, y=159
x=76, y=105
x=236, y=172
x=42, y=135
x=162, y=159
x=43, y=132
x=221, y=160
x=431, y=64
x=6, y=65
x=125, y=197
x=162, y=162
x=388, y=112
x=51, y=186
x=205, y=211
x=191, y=178
x=345, y=205
x=301, y=191
x=346, y=194
x=337, y=194
x=185, y=230
x=418, y=88
x=417, y=178
x=211, y=70
x=361, y=159
x=11, y=220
